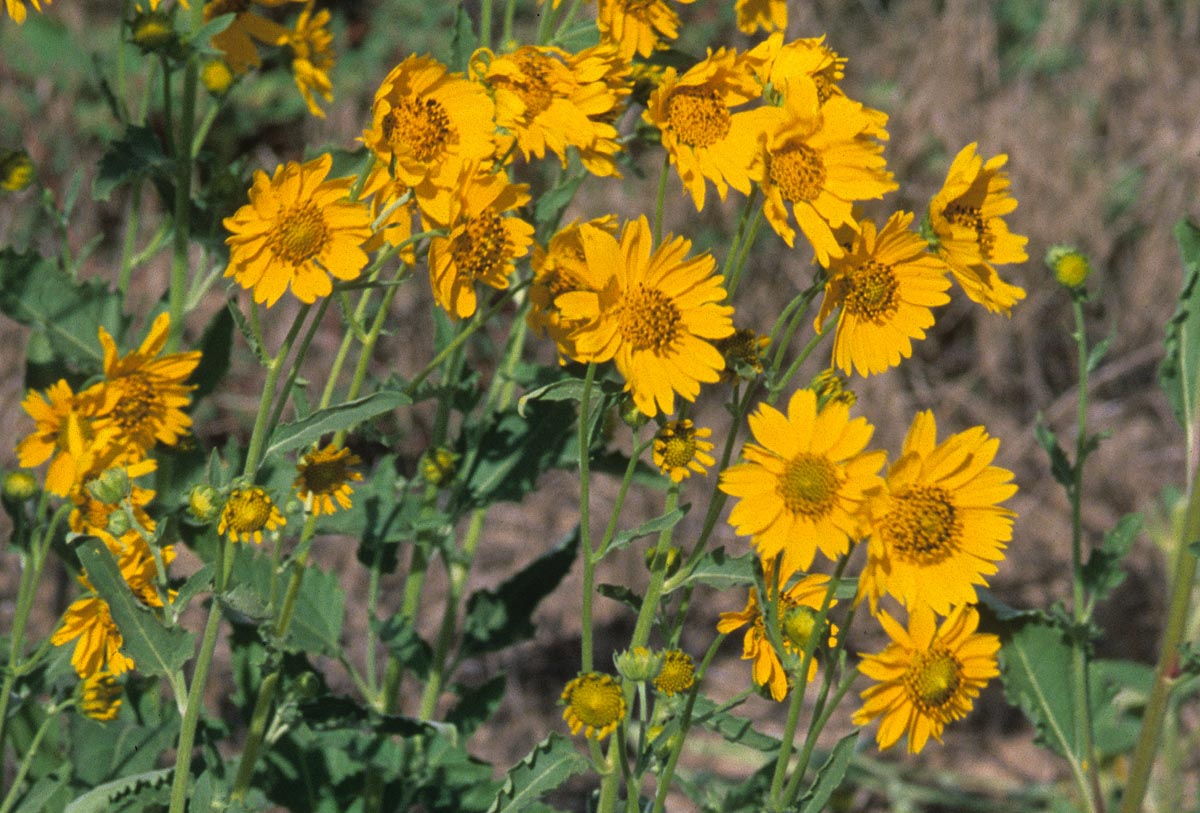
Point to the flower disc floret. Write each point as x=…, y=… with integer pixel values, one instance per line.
x=324, y=476
x=680, y=449
x=247, y=513
x=678, y=673
x=595, y=704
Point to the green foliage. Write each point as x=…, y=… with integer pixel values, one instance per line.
x=302, y=433
x=830, y=775
x=405, y=644
x=735, y=729
x=216, y=346
x=718, y=569
x=1179, y=373
x=139, y=792
x=664, y=522
x=499, y=618
x=136, y=155
x=1103, y=572
x=1060, y=467
x=552, y=761
x=155, y=648
x=476, y=704
x=514, y=451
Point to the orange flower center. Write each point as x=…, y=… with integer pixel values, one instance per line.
x=798, y=171
x=648, y=319
x=248, y=511
x=933, y=679
x=419, y=126
x=323, y=473
x=480, y=249
x=809, y=485
x=697, y=116
x=922, y=526
x=299, y=235
x=874, y=291
x=679, y=450
x=596, y=700
x=136, y=405
x=533, y=88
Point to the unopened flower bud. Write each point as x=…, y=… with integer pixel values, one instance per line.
x=152, y=31
x=1071, y=268
x=19, y=486
x=110, y=487
x=119, y=523
x=438, y=466
x=203, y=503
x=216, y=77
x=633, y=417
x=638, y=664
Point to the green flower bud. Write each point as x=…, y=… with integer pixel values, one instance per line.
x=638, y=664
x=119, y=523
x=19, y=486
x=153, y=32
x=110, y=487
x=216, y=77
x=204, y=503
x=1071, y=268
x=632, y=417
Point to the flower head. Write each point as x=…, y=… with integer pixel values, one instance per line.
x=297, y=230
x=794, y=626
x=680, y=449
x=966, y=218
x=805, y=482
x=769, y=15
x=558, y=268
x=595, y=703
x=927, y=676
x=654, y=312
x=1070, y=266
x=100, y=696
x=325, y=475
x=248, y=511
x=312, y=56
x=236, y=42
x=678, y=673
x=98, y=647
x=637, y=26
x=885, y=285
x=16, y=170
x=63, y=433
x=938, y=529
x=744, y=351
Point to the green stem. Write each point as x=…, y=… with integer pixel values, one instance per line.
x=130, y=241
x=294, y=372
x=567, y=19
x=485, y=24
x=258, y=437
x=506, y=33
x=122, y=67
x=782, y=381
x=731, y=257
x=585, y=531
x=27, y=760
x=660, y=200
x=658, y=576
x=182, y=153
x=545, y=22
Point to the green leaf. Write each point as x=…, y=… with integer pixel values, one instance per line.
x=210, y=29
x=552, y=761
x=1178, y=373
x=332, y=712
x=1098, y=352
x=1060, y=467
x=665, y=522
x=405, y=644
x=156, y=649
x=499, y=618
x=551, y=204
x=119, y=792
x=464, y=41
x=320, y=614
x=568, y=389
x=1120, y=690
x=476, y=704
x=216, y=345
x=514, y=451
x=1103, y=573
x=733, y=728
x=291, y=436
x=829, y=776
x=1036, y=667
x=40, y=797
x=137, y=154
x=621, y=593
x=720, y=570
x=36, y=292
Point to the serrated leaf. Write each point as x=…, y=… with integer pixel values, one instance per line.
x=552, y=761
x=200, y=580
x=136, y=154
x=336, y=712
x=476, y=704
x=244, y=327
x=40, y=796
x=104, y=798
x=568, y=389
x=499, y=618
x=829, y=776
x=291, y=436
x=1120, y=690
x=664, y=522
x=621, y=593
x=720, y=570
x=1060, y=467
x=156, y=649
x=1178, y=373
x=216, y=346
x=320, y=614
x=1103, y=572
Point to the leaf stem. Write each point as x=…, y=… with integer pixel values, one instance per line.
x=585, y=531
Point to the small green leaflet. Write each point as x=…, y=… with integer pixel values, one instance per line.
x=552, y=761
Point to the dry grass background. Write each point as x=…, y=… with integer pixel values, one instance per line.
x=1096, y=106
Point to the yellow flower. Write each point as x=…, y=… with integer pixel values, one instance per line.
x=636, y=26
x=216, y=77
x=297, y=230
x=236, y=43
x=927, y=676
x=99, y=645
x=966, y=218
x=798, y=609
x=427, y=122
x=16, y=9
x=770, y=15
x=702, y=136
x=143, y=394
x=938, y=530
x=885, y=285
x=829, y=386
x=484, y=242
x=63, y=434
x=247, y=512
x=654, y=312
x=438, y=466
x=805, y=483
x=557, y=269
x=392, y=210
x=548, y=98
x=678, y=673
x=1070, y=266
x=326, y=475
x=595, y=703
x=819, y=158
x=679, y=449
x=100, y=696
x=16, y=170
x=312, y=56
x=140, y=570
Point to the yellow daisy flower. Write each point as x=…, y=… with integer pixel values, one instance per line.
x=392, y=211
x=769, y=15
x=798, y=609
x=557, y=269
x=63, y=434
x=297, y=230
x=485, y=238
x=16, y=9
x=885, y=285
x=680, y=449
x=966, y=218
x=927, y=676
x=427, y=122
x=100, y=697
x=98, y=647
x=91, y=514
x=17, y=171
x=654, y=312
x=548, y=98
x=236, y=43
x=637, y=26
x=819, y=158
x=312, y=56
x=678, y=673
x=325, y=475
x=595, y=703
x=938, y=530
x=805, y=483
x=702, y=136
x=247, y=512
x=144, y=393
